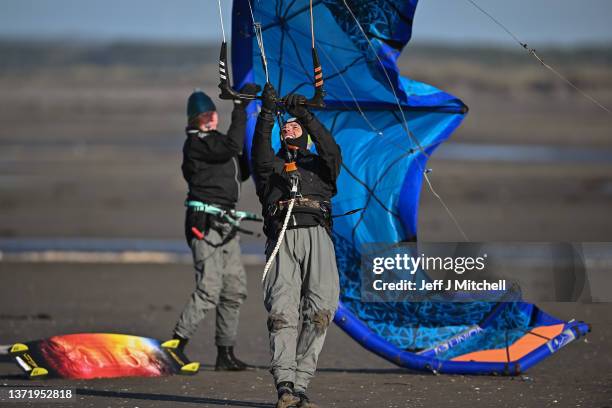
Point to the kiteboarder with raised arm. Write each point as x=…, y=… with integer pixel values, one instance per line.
x=214, y=167
x=301, y=286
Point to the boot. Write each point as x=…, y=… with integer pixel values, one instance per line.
x=286, y=398
x=227, y=361
x=180, y=347
x=304, y=400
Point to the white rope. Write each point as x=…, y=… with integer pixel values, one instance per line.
x=260, y=43
x=279, y=241
x=281, y=235
x=312, y=25
x=251, y=9
x=221, y=18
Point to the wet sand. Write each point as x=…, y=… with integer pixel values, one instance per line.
x=146, y=300
x=80, y=158
x=94, y=151
x=126, y=192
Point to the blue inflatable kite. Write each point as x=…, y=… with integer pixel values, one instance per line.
x=387, y=126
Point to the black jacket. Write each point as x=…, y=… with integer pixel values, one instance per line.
x=318, y=172
x=213, y=165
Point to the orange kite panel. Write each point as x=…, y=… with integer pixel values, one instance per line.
x=518, y=349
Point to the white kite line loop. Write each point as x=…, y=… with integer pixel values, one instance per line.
x=279, y=241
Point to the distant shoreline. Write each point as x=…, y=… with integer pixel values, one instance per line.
x=24, y=52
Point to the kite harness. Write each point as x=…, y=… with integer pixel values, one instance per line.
x=227, y=216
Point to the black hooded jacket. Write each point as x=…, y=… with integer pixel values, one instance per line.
x=213, y=165
x=318, y=172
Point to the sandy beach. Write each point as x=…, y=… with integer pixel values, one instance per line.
x=40, y=300
x=93, y=151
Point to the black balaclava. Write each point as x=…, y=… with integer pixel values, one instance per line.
x=300, y=142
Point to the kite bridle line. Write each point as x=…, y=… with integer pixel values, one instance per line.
x=533, y=53
x=227, y=91
x=260, y=43
x=407, y=129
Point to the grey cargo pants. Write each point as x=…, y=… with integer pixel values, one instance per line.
x=301, y=295
x=220, y=283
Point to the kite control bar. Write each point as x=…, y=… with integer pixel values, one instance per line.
x=228, y=92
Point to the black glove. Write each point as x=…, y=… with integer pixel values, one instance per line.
x=295, y=105
x=268, y=99
x=250, y=89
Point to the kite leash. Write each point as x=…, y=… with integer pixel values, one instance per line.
x=281, y=235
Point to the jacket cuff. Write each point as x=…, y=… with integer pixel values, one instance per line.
x=266, y=114
x=240, y=106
